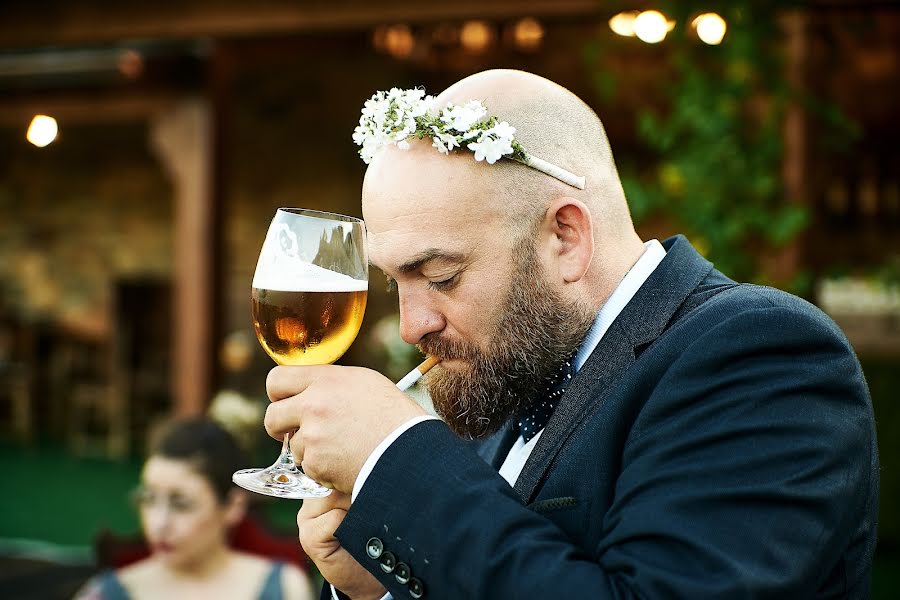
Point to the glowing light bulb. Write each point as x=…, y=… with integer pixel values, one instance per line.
x=710, y=28
x=651, y=26
x=399, y=41
x=476, y=36
x=528, y=34
x=623, y=23
x=42, y=131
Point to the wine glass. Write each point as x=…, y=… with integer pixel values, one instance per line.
x=308, y=299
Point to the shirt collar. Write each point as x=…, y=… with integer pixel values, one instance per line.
x=621, y=296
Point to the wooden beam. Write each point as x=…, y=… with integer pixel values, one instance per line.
x=61, y=23
x=83, y=107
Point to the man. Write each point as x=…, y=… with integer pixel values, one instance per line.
x=659, y=430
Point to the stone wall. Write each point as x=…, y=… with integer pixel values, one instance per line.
x=91, y=208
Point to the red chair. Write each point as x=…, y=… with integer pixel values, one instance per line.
x=115, y=551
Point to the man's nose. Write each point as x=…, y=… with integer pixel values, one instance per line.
x=418, y=317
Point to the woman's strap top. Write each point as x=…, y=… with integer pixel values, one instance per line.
x=271, y=589
x=110, y=587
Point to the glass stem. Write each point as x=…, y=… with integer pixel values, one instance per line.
x=287, y=458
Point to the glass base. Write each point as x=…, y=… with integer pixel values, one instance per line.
x=280, y=481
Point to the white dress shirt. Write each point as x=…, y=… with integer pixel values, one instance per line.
x=515, y=460
x=621, y=296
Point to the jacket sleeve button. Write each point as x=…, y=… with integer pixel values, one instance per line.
x=416, y=588
x=374, y=547
x=388, y=561
x=402, y=573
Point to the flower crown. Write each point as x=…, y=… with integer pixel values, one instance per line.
x=396, y=116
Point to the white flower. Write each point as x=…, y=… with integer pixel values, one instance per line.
x=490, y=148
x=372, y=141
x=503, y=130
x=375, y=109
x=471, y=134
x=390, y=118
x=461, y=118
x=367, y=153
x=444, y=142
x=359, y=135
x=417, y=102
x=409, y=126
x=494, y=143
x=393, y=117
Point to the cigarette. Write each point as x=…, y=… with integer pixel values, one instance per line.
x=416, y=374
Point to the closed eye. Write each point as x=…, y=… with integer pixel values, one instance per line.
x=445, y=284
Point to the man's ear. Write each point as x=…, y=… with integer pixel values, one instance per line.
x=235, y=507
x=570, y=231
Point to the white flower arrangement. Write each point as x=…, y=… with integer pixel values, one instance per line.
x=393, y=117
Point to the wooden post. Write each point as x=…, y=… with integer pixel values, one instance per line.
x=183, y=138
x=795, y=160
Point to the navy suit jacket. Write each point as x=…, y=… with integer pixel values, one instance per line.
x=718, y=443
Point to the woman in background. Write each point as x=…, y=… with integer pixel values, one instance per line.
x=187, y=505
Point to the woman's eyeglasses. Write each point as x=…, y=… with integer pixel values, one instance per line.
x=144, y=499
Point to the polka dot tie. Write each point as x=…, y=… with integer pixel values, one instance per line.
x=535, y=417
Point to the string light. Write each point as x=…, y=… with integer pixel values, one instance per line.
x=651, y=26
x=623, y=23
x=42, y=130
x=399, y=41
x=710, y=28
x=528, y=34
x=476, y=36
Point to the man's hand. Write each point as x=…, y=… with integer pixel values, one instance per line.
x=340, y=414
x=316, y=522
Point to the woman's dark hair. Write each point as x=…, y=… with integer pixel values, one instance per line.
x=210, y=450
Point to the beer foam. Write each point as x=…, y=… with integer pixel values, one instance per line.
x=298, y=276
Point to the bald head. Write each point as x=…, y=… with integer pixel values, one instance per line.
x=451, y=231
x=557, y=126
x=552, y=124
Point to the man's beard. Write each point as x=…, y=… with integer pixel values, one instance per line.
x=537, y=332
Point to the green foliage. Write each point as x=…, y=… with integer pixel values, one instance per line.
x=889, y=272
x=883, y=378
x=716, y=146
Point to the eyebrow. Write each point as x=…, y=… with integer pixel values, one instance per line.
x=416, y=262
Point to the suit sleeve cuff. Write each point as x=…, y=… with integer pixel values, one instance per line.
x=334, y=594
x=379, y=450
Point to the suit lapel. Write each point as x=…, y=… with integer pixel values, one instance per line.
x=495, y=448
x=642, y=320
